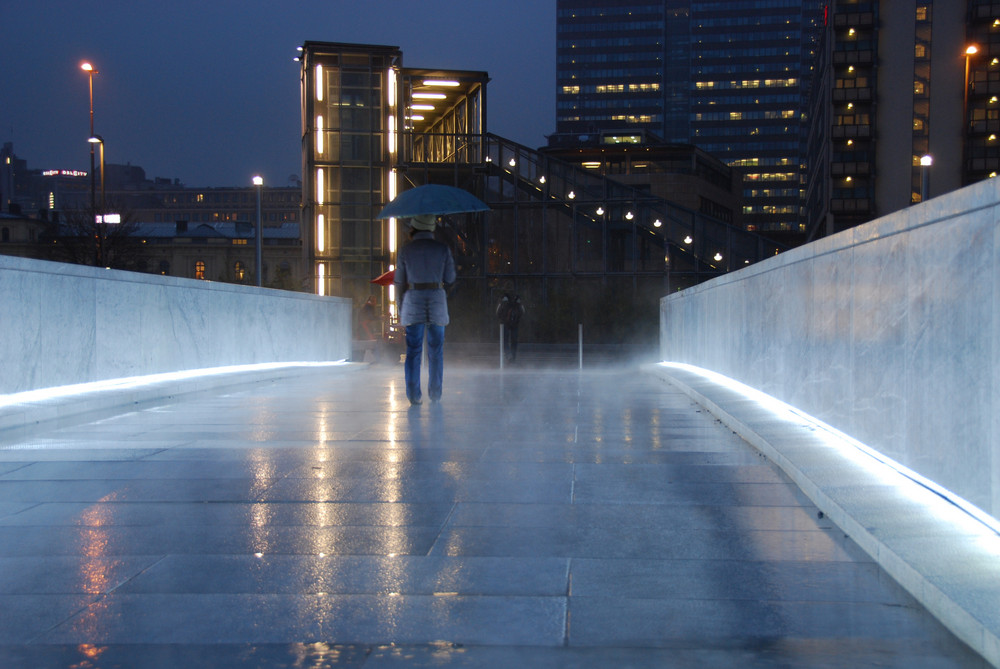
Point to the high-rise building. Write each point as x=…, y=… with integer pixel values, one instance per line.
x=981, y=150
x=905, y=107
x=729, y=76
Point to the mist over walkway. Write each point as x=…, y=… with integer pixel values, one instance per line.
x=533, y=518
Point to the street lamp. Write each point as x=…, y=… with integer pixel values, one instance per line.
x=925, y=165
x=258, y=182
x=89, y=69
x=97, y=139
x=970, y=51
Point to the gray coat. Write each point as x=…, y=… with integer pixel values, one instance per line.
x=424, y=260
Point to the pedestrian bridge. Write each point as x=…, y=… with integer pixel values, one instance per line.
x=293, y=510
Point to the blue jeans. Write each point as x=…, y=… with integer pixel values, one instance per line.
x=435, y=358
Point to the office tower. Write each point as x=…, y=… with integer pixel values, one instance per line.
x=904, y=109
x=729, y=76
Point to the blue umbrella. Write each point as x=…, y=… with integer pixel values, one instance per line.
x=432, y=199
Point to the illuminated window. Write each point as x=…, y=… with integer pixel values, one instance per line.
x=572, y=90
x=918, y=88
x=920, y=51
x=622, y=139
x=239, y=271
x=199, y=269
x=922, y=12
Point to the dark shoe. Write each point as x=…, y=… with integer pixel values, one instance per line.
x=414, y=402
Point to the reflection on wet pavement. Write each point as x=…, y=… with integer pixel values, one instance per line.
x=533, y=518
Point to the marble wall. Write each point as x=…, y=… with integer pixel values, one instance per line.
x=64, y=324
x=889, y=332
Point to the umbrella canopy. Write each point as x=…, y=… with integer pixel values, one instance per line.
x=432, y=199
x=385, y=279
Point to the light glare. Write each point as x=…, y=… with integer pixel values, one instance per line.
x=124, y=383
x=846, y=444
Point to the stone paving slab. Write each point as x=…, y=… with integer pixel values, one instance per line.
x=535, y=518
x=946, y=558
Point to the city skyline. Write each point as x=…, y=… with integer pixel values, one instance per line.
x=172, y=81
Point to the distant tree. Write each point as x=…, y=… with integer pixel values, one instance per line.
x=284, y=280
x=76, y=237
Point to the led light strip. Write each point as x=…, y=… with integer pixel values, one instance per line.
x=129, y=382
x=838, y=439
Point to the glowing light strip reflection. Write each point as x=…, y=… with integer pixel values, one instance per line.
x=129, y=382
x=393, y=189
x=837, y=439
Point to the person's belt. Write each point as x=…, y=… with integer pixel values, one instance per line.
x=425, y=286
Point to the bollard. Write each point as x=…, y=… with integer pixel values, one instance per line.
x=501, y=346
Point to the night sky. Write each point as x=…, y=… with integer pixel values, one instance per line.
x=206, y=91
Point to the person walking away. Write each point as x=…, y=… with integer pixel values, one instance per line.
x=424, y=269
x=509, y=313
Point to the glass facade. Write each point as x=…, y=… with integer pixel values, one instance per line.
x=982, y=122
x=729, y=76
x=346, y=122
x=854, y=80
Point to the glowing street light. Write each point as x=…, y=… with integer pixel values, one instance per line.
x=91, y=71
x=970, y=51
x=97, y=139
x=925, y=164
x=258, y=182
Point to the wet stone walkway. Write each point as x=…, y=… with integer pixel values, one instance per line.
x=534, y=518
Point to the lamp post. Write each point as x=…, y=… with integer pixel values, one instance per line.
x=970, y=51
x=89, y=69
x=258, y=182
x=97, y=139
x=925, y=175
